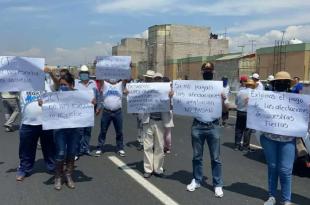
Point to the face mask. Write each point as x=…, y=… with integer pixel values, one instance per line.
x=64, y=88
x=84, y=76
x=207, y=75
x=281, y=86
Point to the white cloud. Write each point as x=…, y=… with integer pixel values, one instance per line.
x=126, y=6
x=144, y=34
x=25, y=8
x=65, y=56
x=243, y=7
x=32, y=52
x=264, y=23
x=219, y=7
x=300, y=32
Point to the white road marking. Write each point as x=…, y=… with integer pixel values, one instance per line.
x=161, y=196
x=255, y=146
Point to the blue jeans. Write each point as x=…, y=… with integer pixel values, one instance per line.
x=210, y=133
x=29, y=136
x=280, y=158
x=85, y=135
x=66, y=143
x=117, y=119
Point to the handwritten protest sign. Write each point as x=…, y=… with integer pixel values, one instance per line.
x=148, y=97
x=198, y=98
x=70, y=109
x=113, y=67
x=278, y=113
x=21, y=74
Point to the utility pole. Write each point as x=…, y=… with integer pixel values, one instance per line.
x=253, y=44
x=242, y=47
x=281, y=45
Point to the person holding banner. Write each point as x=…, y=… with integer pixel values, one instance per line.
x=30, y=132
x=66, y=142
x=279, y=152
x=85, y=83
x=111, y=106
x=153, y=138
x=204, y=129
x=240, y=129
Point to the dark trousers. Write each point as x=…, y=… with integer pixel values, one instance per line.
x=29, y=135
x=85, y=135
x=66, y=143
x=202, y=133
x=117, y=119
x=241, y=131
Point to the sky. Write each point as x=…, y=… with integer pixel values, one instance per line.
x=73, y=32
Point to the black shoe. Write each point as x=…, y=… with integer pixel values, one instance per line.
x=249, y=149
x=147, y=175
x=161, y=175
x=236, y=148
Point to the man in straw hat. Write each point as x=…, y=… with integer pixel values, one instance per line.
x=153, y=137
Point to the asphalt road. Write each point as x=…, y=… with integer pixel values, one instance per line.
x=100, y=181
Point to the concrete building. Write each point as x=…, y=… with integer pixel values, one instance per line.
x=169, y=42
x=294, y=58
x=134, y=47
x=233, y=66
x=188, y=68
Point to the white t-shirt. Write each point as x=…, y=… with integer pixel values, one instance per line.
x=112, y=95
x=30, y=109
x=260, y=86
x=91, y=85
x=241, y=101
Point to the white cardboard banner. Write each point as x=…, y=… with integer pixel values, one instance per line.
x=113, y=67
x=69, y=109
x=278, y=113
x=21, y=74
x=198, y=98
x=148, y=97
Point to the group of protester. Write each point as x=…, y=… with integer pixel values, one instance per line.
x=62, y=147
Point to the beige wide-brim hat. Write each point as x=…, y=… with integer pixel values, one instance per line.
x=149, y=74
x=282, y=75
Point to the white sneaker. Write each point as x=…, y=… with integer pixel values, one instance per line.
x=270, y=201
x=193, y=185
x=121, y=153
x=218, y=192
x=98, y=153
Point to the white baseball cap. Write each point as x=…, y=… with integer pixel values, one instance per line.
x=84, y=68
x=255, y=76
x=149, y=74
x=270, y=78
